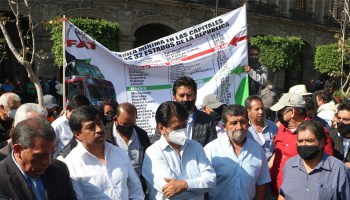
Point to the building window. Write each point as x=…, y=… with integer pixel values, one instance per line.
x=300, y=5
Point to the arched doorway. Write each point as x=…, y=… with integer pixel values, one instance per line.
x=151, y=32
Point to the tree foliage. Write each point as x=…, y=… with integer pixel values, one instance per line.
x=277, y=53
x=105, y=32
x=328, y=60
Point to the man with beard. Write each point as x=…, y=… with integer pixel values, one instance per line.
x=200, y=126
x=240, y=164
x=257, y=73
x=213, y=107
x=313, y=174
x=292, y=112
x=9, y=102
x=341, y=135
x=29, y=172
x=99, y=170
x=262, y=130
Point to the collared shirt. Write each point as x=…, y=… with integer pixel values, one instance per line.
x=39, y=180
x=330, y=179
x=219, y=129
x=161, y=161
x=237, y=176
x=346, y=145
x=133, y=148
x=268, y=134
x=92, y=179
x=63, y=133
x=190, y=121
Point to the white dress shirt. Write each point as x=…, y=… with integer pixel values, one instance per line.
x=93, y=180
x=63, y=133
x=161, y=161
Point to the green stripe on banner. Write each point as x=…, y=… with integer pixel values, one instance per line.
x=152, y=87
x=242, y=92
x=238, y=70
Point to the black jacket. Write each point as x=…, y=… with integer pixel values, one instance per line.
x=203, y=128
x=58, y=185
x=337, y=143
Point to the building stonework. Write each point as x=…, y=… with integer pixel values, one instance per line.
x=132, y=15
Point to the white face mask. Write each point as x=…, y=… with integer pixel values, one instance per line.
x=11, y=114
x=237, y=136
x=178, y=136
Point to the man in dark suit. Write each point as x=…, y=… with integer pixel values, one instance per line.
x=200, y=126
x=29, y=172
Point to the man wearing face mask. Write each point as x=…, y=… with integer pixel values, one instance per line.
x=313, y=174
x=9, y=102
x=268, y=96
x=174, y=166
x=341, y=135
x=240, y=164
x=109, y=109
x=292, y=112
x=125, y=134
x=200, y=126
x=213, y=107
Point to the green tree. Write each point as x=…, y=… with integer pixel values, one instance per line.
x=278, y=53
x=328, y=60
x=105, y=32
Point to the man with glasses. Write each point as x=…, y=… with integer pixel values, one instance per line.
x=341, y=135
x=291, y=111
x=174, y=166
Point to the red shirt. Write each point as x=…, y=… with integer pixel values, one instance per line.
x=285, y=148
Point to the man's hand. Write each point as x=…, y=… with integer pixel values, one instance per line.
x=173, y=187
x=347, y=164
x=247, y=68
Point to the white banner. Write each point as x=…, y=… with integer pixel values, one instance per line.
x=212, y=53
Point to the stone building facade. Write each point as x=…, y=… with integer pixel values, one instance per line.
x=142, y=21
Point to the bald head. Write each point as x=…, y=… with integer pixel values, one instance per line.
x=127, y=108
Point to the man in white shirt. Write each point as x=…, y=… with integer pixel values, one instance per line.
x=99, y=170
x=61, y=125
x=174, y=166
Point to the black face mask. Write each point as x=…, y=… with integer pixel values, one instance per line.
x=343, y=129
x=188, y=105
x=50, y=113
x=308, y=152
x=216, y=116
x=125, y=129
x=110, y=116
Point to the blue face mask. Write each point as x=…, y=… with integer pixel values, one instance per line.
x=270, y=87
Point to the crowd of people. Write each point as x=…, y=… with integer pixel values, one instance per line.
x=218, y=151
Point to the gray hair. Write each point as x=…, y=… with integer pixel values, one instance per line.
x=4, y=99
x=26, y=130
x=25, y=109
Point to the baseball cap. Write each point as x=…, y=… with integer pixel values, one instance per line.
x=49, y=101
x=300, y=89
x=289, y=100
x=212, y=101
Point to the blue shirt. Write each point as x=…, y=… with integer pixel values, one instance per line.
x=330, y=179
x=29, y=182
x=237, y=176
x=161, y=161
x=269, y=132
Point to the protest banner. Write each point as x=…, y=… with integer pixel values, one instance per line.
x=213, y=53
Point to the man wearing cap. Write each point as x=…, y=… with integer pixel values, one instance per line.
x=291, y=111
x=50, y=105
x=213, y=107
